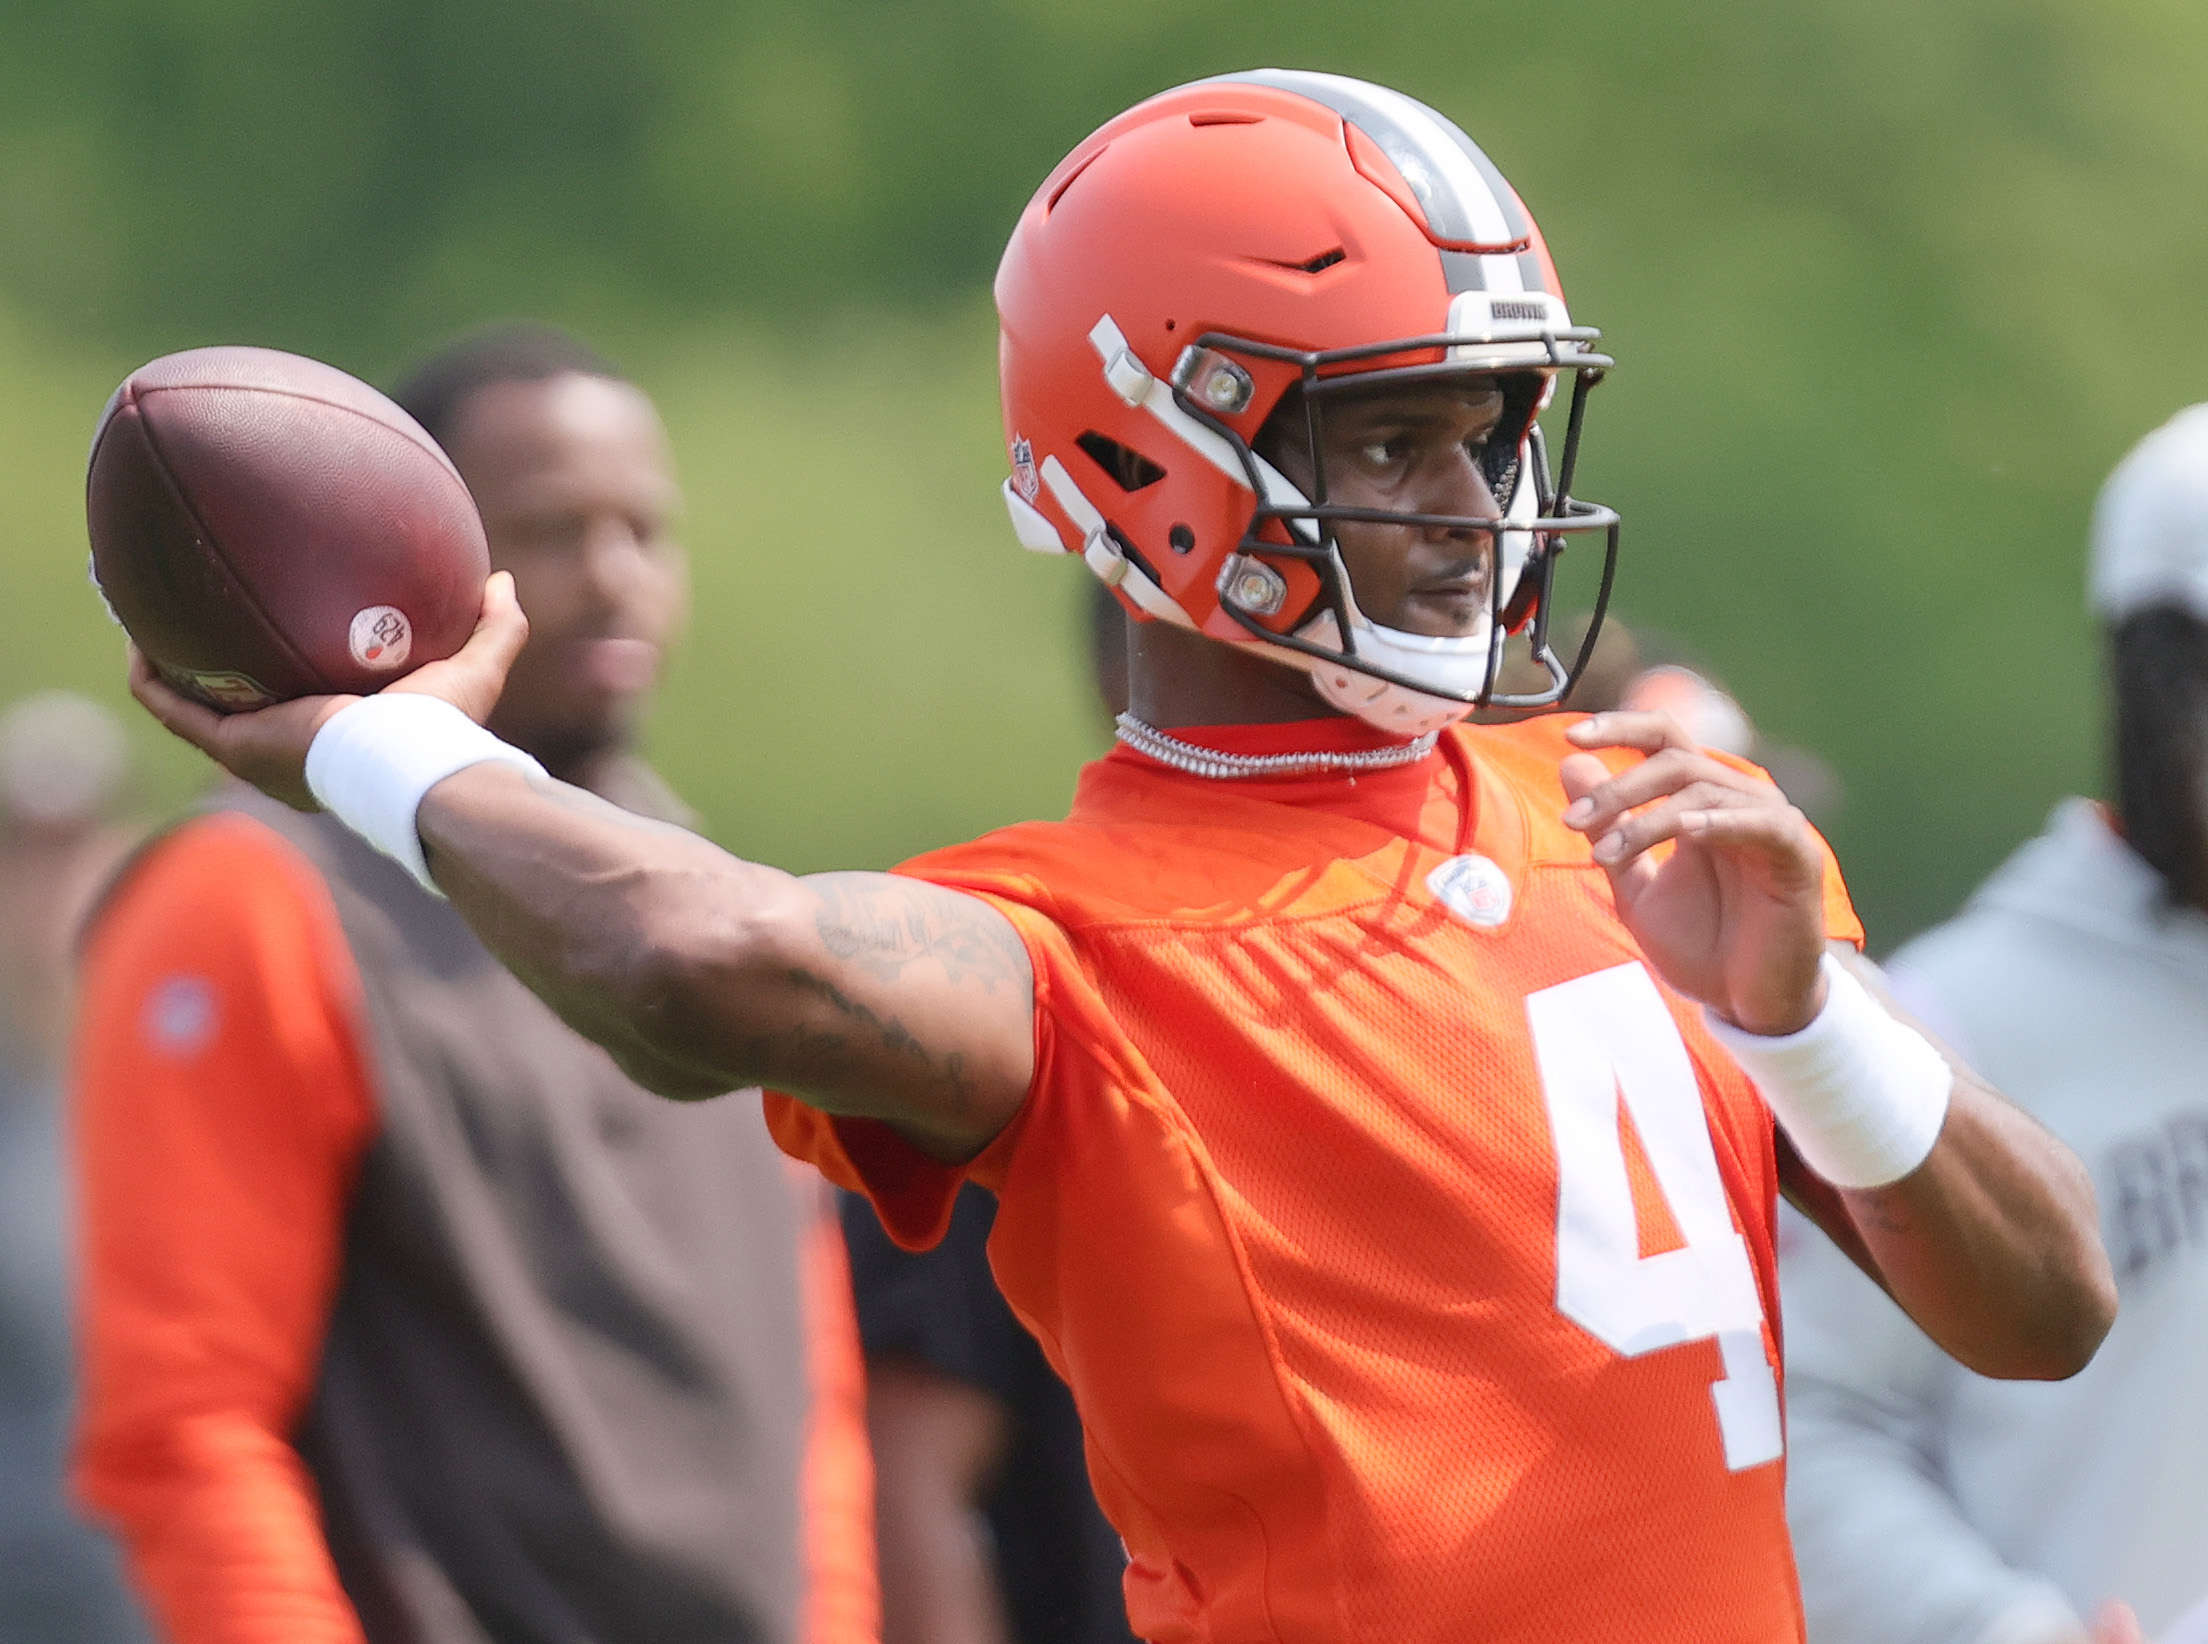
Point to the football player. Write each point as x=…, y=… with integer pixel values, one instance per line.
x=1380, y=1108
x=404, y=1316
x=2077, y=972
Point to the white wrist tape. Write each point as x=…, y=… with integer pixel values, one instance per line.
x=373, y=762
x=1861, y=1095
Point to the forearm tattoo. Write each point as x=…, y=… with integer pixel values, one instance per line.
x=846, y=1036
x=885, y=927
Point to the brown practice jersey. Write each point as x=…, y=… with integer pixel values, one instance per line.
x=544, y=1354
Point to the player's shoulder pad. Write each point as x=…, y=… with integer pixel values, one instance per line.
x=1086, y=874
x=1073, y=872
x=1538, y=745
x=1526, y=753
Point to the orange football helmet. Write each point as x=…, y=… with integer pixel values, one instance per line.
x=1226, y=242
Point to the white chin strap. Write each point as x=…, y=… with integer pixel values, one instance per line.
x=1456, y=665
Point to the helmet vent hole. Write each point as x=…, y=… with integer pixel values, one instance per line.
x=1129, y=469
x=1182, y=539
x=1224, y=117
x=1310, y=265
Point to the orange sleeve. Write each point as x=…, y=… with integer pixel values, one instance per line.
x=843, y=1602
x=220, y=1107
x=910, y=1192
x=1841, y=922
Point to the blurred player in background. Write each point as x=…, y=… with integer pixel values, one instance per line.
x=63, y=766
x=63, y=769
x=1364, y=1094
x=409, y=1318
x=987, y=1528
x=1932, y=1506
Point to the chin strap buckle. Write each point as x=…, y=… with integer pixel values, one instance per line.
x=1129, y=378
x=1105, y=558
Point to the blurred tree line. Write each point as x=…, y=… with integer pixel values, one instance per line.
x=1891, y=283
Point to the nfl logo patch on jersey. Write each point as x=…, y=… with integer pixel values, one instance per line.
x=1473, y=888
x=1024, y=478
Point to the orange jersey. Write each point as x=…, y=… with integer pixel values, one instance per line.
x=1407, y=1244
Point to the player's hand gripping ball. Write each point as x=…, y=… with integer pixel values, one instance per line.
x=267, y=527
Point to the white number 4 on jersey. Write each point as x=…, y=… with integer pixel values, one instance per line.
x=1605, y=1040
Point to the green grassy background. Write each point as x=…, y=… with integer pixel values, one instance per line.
x=1891, y=286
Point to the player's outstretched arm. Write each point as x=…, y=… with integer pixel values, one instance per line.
x=865, y=994
x=861, y=993
x=1988, y=1240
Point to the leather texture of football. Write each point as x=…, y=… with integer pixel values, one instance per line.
x=267, y=527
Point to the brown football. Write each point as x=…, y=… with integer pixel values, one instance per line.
x=266, y=527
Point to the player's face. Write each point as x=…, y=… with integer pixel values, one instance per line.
x=577, y=492
x=1413, y=448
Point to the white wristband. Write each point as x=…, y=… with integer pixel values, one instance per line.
x=373, y=762
x=1861, y=1095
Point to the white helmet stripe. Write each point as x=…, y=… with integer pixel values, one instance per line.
x=1465, y=197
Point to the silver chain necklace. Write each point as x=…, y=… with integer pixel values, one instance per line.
x=1230, y=767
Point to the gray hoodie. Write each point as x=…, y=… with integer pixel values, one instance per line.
x=1933, y=1506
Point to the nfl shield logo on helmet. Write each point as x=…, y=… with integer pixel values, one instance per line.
x=1024, y=479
